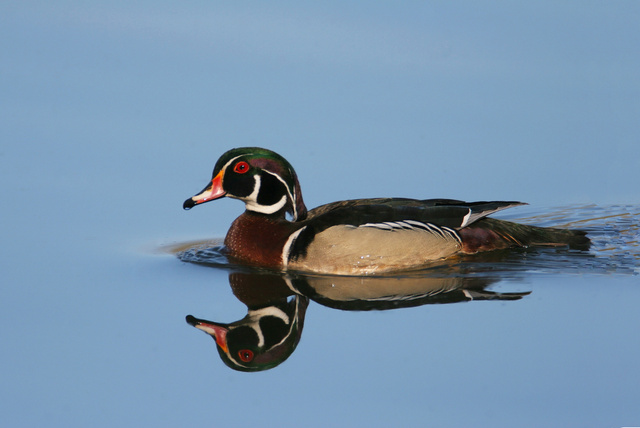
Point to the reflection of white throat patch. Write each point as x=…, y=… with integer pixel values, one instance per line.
x=251, y=201
x=257, y=315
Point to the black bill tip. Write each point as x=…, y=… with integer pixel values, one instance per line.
x=188, y=204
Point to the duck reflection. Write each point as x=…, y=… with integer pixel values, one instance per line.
x=382, y=293
x=270, y=331
x=277, y=303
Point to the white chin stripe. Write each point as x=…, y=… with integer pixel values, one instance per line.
x=259, y=313
x=266, y=209
x=251, y=201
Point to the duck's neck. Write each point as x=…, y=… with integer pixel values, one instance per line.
x=259, y=239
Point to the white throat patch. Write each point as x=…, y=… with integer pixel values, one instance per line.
x=251, y=201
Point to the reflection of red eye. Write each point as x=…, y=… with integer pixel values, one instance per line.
x=241, y=167
x=245, y=355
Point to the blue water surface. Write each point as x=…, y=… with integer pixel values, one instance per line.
x=113, y=113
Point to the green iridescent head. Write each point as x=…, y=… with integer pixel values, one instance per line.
x=263, y=179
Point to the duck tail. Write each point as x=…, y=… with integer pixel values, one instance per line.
x=489, y=233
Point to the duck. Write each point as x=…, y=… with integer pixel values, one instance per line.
x=356, y=236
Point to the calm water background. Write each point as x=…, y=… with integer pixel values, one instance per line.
x=112, y=113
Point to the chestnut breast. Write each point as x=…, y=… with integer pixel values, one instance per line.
x=258, y=239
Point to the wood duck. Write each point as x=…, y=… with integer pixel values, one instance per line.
x=359, y=236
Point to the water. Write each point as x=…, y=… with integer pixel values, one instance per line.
x=112, y=114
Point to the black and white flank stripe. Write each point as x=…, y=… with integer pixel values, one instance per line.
x=443, y=231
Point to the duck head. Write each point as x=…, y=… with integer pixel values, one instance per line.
x=262, y=179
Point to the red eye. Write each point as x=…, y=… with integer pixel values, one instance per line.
x=245, y=355
x=241, y=167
